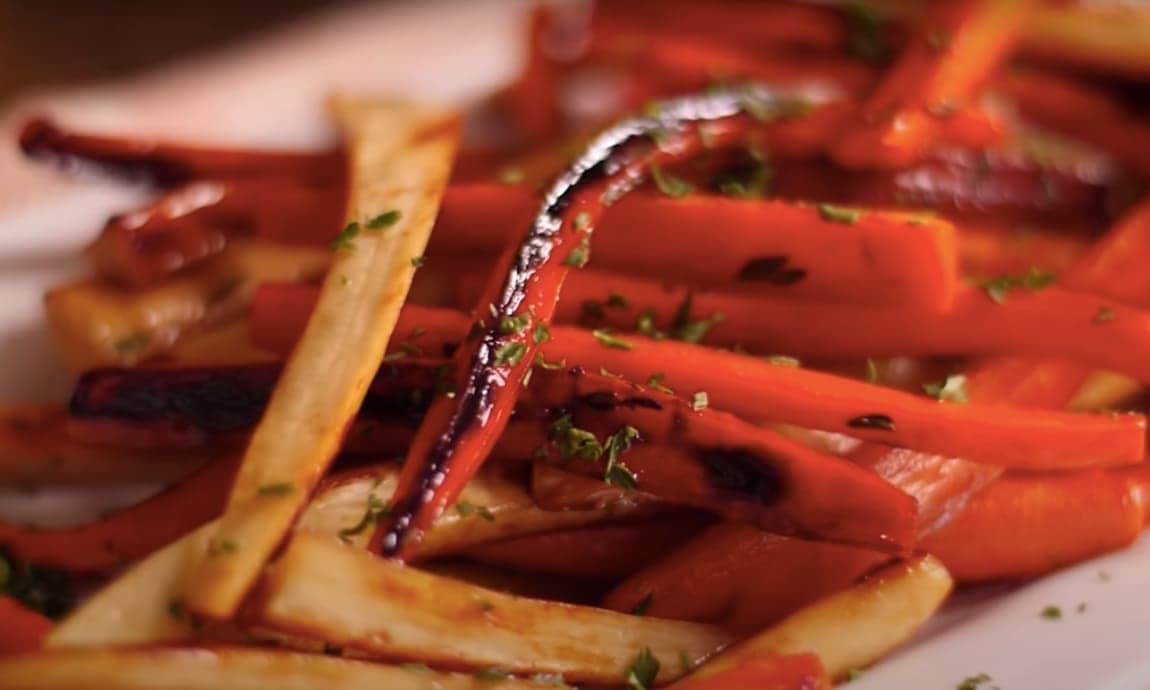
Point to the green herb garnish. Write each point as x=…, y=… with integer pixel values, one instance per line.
x=643, y=671
x=655, y=382
x=418, y=261
x=375, y=511
x=668, y=184
x=513, y=324
x=384, y=220
x=541, y=333
x=580, y=255
x=973, y=682
x=839, y=214
x=344, y=239
x=1104, y=314
x=131, y=344
x=699, y=401
x=277, y=489
x=644, y=605
x=606, y=339
x=510, y=354
x=1034, y=279
x=952, y=389
x=511, y=175
x=616, y=474
x=872, y=372
x=1052, y=612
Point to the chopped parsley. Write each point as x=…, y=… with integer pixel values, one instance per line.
x=683, y=328
x=853, y=674
x=872, y=372
x=510, y=354
x=222, y=546
x=131, y=344
x=384, y=220
x=644, y=605
x=973, y=682
x=580, y=255
x=606, y=339
x=783, y=361
x=541, y=333
x=699, y=401
x=555, y=679
x=839, y=214
x=466, y=508
x=617, y=301
x=1034, y=279
x=952, y=389
x=511, y=175
x=344, y=239
x=643, y=671
x=1052, y=613
x=549, y=366
x=616, y=474
x=582, y=220
x=668, y=184
x=375, y=511
x=513, y=324
x=1104, y=314
x=574, y=442
x=277, y=489
x=655, y=382
x=418, y=261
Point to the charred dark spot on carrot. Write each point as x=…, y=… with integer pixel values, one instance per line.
x=871, y=421
x=744, y=472
x=607, y=401
x=771, y=269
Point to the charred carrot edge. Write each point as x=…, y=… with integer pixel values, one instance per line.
x=1092, y=330
x=1026, y=525
x=766, y=672
x=741, y=577
x=958, y=46
x=769, y=247
x=168, y=164
x=24, y=629
x=128, y=534
x=459, y=431
x=759, y=390
x=599, y=551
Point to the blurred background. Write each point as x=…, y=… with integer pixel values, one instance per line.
x=45, y=43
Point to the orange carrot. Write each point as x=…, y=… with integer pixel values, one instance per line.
x=741, y=577
x=24, y=630
x=757, y=390
x=131, y=533
x=600, y=551
x=1026, y=525
x=768, y=246
x=957, y=48
x=1092, y=330
x=789, y=672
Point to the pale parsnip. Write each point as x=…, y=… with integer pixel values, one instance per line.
x=98, y=324
x=856, y=627
x=322, y=589
x=401, y=157
x=226, y=668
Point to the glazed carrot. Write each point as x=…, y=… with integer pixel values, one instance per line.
x=741, y=577
x=599, y=551
x=131, y=533
x=35, y=449
x=988, y=247
x=758, y=390
x=768, y=246
x=1081, y=112
x=1026, y=525
x=168, y=164
x=765, y=672
x=1110, y=269
x=460, y=429
x=958, y=46
x=24, y=630
x=976, y=324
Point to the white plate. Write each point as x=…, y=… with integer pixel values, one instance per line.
x=268, y=93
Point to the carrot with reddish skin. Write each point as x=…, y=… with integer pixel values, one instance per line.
x=768, y=672
x=741, y=577
x=131, y=533
x=24, y=629
x=168, y=164
x=1025, y=525
x=599, y=551
x=757, y=390
x=957, y=48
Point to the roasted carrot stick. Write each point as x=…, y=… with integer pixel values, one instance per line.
x=24, y=630
x=958, y=46
x=599, y=551
x=1112, y=269
x=741, y=577
x=762, y=391
x=769, y=672
x=169, y=164
x=131, y=533
x=1093, y=331
x=1026, y=525
x=888, y=258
